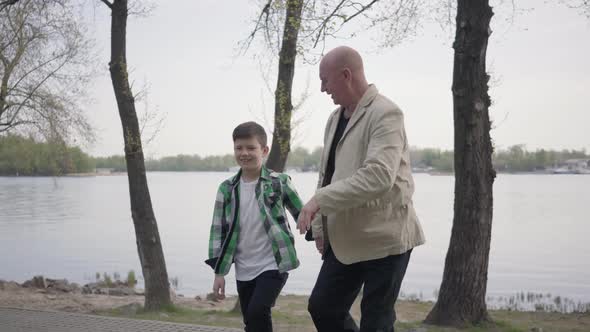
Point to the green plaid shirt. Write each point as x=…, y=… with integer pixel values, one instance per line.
x=274, y=192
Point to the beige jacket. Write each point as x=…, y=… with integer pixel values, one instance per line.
x=368, y=204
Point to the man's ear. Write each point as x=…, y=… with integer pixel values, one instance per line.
x=265, y=150
x=347, y=73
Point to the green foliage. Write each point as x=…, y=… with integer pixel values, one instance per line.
x=26, y=156
x=301, y=158
x=298, y=158
x=107, y=280
x=131, y=281
x=290, y=314
x=117, y=163
x=432, y=159
x=514, y=159
x=517, y=159
x=183, y=163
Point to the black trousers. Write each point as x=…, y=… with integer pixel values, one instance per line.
x=339, y=284
x=257, y=296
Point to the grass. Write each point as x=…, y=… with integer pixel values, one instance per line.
x=290, y=314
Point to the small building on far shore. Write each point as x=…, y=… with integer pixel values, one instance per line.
x=573, y=166
x=104, y=171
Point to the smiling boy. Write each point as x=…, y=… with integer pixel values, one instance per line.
x=250, y=229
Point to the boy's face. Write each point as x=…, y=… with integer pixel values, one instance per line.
x=249, y=153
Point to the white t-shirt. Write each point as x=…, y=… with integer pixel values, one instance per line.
x=254, y=251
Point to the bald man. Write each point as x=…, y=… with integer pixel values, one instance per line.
x=362, y=218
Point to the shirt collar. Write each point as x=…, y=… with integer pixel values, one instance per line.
x=264, y=175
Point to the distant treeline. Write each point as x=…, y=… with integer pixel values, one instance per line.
x=512, y=160
x=517, y=159
x=25, y=156
x=179, y=163
x=298, y=158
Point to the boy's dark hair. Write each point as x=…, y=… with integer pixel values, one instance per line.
x=248, y=130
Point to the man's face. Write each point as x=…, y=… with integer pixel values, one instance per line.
x=333, y=83
x=249, y=153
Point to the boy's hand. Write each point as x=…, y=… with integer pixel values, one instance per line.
x=219, y=287
x=306, y=215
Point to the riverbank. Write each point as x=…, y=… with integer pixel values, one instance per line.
x=432, y=173
x=289, y=314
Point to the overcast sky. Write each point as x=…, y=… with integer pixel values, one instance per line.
x=186, y=51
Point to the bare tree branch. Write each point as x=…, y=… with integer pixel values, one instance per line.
x=36, y=69
x=264, y=12
x=44, y=58
x=42, y=82
x=322, y=27
x=140, y=8
x=5, y=127
x=4, y=4
x=393, y=20
x=360, y=11
x=582, y=5
x=110, y=5
x=151, y=120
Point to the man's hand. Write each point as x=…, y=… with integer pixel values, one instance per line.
x=319, y=244
x=219, y=287
x=306, y=215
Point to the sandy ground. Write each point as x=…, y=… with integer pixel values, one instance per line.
x=12, y=295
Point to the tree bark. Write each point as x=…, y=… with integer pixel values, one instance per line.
x=462, y=293
x=149, y=247
x=281, y=138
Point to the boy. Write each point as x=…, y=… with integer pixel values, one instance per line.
x=250, y=229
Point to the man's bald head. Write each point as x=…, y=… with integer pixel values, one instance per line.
x=343, y=57
x=343, y=76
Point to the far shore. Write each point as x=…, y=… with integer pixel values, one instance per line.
x=98, y=174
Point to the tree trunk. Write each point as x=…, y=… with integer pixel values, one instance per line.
x=149, y=247
x=462, y=293
x=281, y=138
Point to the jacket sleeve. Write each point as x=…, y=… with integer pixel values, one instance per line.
x=217, y=234
x=291, y=198
x=378, y=171
x=317, y=228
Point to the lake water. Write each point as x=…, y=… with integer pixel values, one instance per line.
x=74, y=227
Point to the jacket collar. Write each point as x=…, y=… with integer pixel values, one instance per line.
x=264, y=175
x=368, y=97
x=361, y=108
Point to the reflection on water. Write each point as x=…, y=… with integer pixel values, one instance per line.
x=75, y=227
